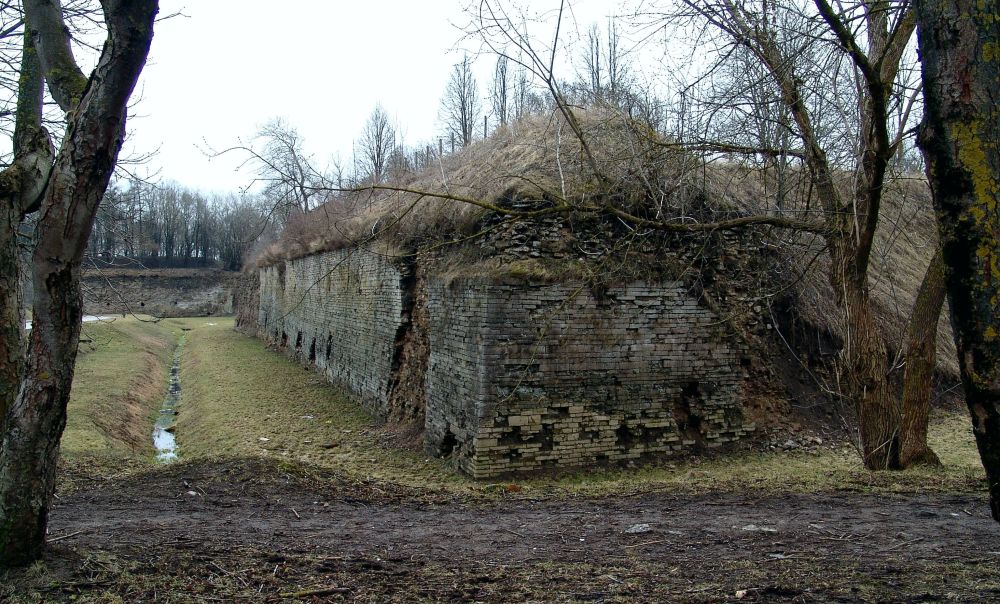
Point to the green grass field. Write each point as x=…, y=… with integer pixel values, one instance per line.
x=239, y=399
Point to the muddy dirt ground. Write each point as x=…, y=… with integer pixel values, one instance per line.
x=253, y=531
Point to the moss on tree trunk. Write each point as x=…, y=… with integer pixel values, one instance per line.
x=959, y=42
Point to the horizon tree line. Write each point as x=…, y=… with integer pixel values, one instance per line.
x=167, y=226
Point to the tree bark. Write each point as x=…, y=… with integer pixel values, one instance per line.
x=36, y=419
x=865, y=358
x=959, y=43
x=74, y=189
x=21, y=186
x=921, y=359
x=11, y=315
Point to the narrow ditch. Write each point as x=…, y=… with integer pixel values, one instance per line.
x=163, y=429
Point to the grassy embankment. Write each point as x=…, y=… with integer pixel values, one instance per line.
x=119, y=383
x=239, y=399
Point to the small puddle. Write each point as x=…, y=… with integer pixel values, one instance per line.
x=163, y=430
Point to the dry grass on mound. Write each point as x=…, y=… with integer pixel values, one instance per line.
x=536, y=158
x=904, y=244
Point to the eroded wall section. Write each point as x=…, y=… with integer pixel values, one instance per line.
x=528, y=377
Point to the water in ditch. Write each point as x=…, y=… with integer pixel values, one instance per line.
x=163, y=430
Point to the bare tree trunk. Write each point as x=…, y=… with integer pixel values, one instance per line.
x=866, y=358
x=921, y=359
x=11, y=315
x=958, y=48
x=75, y=186
x=21, y=187
x=38, y=415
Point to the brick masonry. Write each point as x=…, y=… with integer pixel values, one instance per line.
x=518, y=377
x=339, y=311
x=529, y=377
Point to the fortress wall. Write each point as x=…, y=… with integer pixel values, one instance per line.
x=529, y=377
x=340, y=311
x=512, y=377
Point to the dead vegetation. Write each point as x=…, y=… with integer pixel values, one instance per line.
x=531, y=165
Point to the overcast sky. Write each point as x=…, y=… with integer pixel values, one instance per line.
x=226, y=67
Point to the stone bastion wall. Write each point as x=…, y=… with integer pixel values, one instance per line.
x=507, y=378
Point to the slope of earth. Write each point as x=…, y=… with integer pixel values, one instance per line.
x=315, y=502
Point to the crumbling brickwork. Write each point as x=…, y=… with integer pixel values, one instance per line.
x=246, y=301
x=159, y=292
x=515, y=377
x=528, y=377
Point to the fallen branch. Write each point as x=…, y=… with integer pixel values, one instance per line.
x=60, y=538
x=899, y=545
x=322, y=591
x=646, y=543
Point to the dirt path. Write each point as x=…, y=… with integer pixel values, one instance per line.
x=248, y=531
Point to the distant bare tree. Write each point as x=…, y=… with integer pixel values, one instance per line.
x=378, y=140
x=168, y=226
x=606, y=69
x=244, y=220
x=524, y=99
x=500, y=96
x=461, y=107
x=592, y=61
x=338, y=175
x=747, y=110
x=291, y=181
